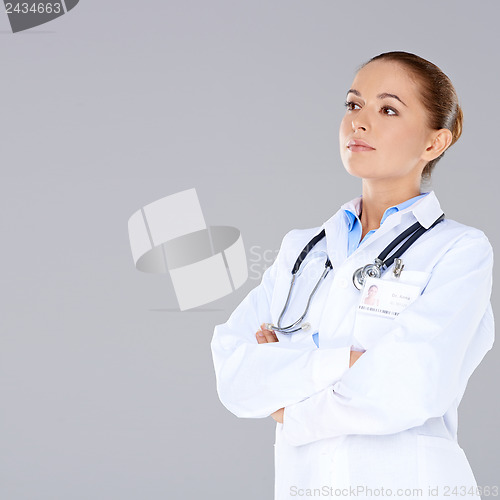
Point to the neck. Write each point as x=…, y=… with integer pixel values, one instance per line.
x=377, y=198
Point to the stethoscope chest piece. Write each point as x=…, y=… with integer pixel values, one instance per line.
x=375, y=270
x=358, y=279
x=370, y=270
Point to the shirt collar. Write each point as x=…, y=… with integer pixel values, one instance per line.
x=353, y=209
x=425, y=208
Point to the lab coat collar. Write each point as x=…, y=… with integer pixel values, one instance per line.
x=352, y=215
x=425, y=210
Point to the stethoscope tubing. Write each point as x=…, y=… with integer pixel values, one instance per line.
x=291, y=328
x=382, y=262
x=413, y=233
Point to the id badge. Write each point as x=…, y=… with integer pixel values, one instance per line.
x=386, y=298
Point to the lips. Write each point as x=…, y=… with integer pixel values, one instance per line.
x=359, y=145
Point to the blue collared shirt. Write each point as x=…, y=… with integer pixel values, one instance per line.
x=355, y=230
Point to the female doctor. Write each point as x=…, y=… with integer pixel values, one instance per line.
x=365, y=393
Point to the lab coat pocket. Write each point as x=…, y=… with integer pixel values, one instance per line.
x=443, y=467
x=370, y=327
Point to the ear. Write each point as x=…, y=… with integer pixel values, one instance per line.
x=439, y=142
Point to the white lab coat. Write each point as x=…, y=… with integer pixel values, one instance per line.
x=389, y=421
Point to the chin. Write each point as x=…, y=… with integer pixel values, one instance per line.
x=362, y=172
x=366, y=170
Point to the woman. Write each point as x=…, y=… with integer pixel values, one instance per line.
x=365, y=398
x=371, y=296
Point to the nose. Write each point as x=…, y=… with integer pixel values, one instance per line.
x=357, y=124
x=359, y=120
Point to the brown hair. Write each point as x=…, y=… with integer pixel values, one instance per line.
x=437, y=94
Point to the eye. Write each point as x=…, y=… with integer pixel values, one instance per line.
x=348, y=105
x=386, y=110
x=393, y=112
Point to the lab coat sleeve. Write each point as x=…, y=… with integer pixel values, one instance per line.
x=420, y=366
x=254, y=380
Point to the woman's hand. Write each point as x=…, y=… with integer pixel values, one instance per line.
x=264, y=336
x=355, y=355
x=278, y=415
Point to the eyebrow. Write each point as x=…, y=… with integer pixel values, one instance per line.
x=380, y=96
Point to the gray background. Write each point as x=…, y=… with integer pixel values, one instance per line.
x=106, y=391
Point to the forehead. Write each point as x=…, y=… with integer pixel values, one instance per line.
x=386, y=76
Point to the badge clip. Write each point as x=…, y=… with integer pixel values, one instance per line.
x=398, y=267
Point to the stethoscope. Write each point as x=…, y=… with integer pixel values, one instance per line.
x=375, y=270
